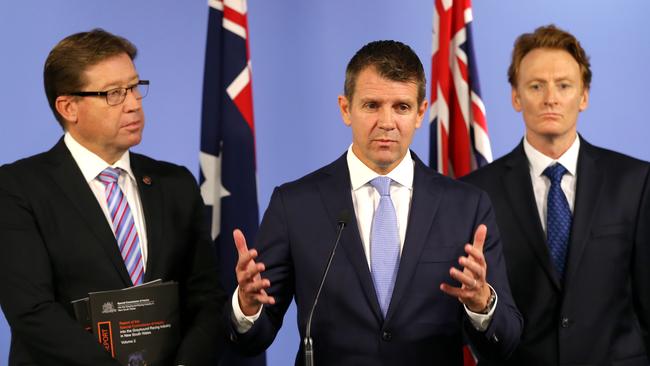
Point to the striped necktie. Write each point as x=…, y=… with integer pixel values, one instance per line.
x=124, y=228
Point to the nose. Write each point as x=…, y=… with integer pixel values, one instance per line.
x=550, y=97
x=132, y=100
x=386, y=120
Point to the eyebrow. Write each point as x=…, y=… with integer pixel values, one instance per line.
x=542, y=80
x=380, y=99
x=120, y=83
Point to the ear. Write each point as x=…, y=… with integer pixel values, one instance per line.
x=67, y=107
x=344, y=107
x=516, y=102
x=584, y=101
x=421, y=110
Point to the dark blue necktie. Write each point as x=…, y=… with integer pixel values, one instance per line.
x=558, y=218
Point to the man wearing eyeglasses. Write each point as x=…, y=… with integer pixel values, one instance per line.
x=88, y=215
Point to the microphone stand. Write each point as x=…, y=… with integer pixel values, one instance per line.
x=307, y=341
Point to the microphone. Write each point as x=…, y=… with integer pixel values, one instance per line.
x=341, y=222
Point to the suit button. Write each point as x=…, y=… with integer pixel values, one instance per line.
x=565, y=323
x=386, y=336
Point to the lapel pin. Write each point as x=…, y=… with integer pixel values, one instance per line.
x=146, y=180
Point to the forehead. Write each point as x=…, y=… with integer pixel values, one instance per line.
x=371, y=85
x=113, y=71
x=545, y=62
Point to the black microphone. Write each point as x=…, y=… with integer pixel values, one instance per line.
x=342, y=221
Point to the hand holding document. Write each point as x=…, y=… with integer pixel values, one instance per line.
x=136, y=323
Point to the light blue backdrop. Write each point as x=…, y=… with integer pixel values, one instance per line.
x=299, y=50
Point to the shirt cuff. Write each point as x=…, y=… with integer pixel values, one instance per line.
x=242, y=322
x=481, y=322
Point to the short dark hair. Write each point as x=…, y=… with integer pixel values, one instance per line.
x=65, y=65
x=393, y=60
x=549, y=36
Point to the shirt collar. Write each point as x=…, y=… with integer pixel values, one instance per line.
x=91, y=164
x=538, y=161
x=361, y=174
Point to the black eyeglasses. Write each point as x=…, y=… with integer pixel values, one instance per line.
x=116, y=96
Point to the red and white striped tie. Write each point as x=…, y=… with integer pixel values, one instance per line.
x=123, y=225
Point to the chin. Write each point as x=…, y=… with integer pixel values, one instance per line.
x=385, y=159
x=550, y=129
x=133, y=141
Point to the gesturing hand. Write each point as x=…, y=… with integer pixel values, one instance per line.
x=474, y=291
x=252, y=293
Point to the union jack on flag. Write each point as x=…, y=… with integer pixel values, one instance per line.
x=459, y=138
x=227, y=156
x=459, y=141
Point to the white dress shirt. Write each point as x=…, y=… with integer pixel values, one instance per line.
x=91, y=165
x=365, y=199
x=538, y=162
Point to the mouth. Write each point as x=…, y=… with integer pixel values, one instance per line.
x=133, y=125
x=551, y=115
x=384, y=144
x=384, y=141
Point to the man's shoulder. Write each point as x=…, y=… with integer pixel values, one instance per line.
x=338, y=168
x=455, y=188
x=31, y=165
x=32, y=174
x=614, y=160
x=146, y=165
x=29, y=161
x=492, y=171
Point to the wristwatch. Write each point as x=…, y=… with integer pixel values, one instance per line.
x=490, y=302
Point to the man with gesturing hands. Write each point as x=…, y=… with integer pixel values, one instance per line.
x=384, y=300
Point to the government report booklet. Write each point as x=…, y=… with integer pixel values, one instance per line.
x=137, y=325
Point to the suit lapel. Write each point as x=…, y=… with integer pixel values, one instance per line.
x=519, y=190
x=70, y=180
x=150, y=189
x=336, y=195
x=427, y=193
x=588, y=193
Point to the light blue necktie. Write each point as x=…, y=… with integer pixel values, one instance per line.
x=558, y=218
x=123, y=225
x=384, y=244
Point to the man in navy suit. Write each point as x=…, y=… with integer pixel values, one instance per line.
x=577, y=240
x=89, y=215
x=385, y=300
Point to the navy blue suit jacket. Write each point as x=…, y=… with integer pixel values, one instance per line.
x=600, y=313
x=423, y=325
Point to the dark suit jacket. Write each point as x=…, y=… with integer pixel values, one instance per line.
x=423, y=325
x=56, y=246
x=600, y=315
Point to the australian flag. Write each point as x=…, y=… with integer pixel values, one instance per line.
x=227, y=157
